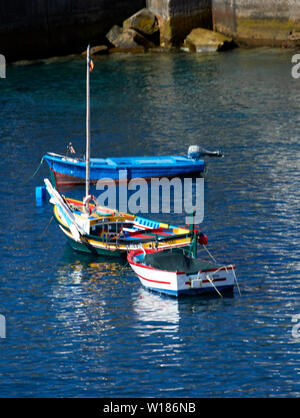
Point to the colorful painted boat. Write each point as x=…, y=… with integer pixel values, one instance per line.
x=97, y=230
x=174, y=273
x=101, y=231
x=71, y=171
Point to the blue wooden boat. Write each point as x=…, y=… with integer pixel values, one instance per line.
x=102, y=231
x=71, y=171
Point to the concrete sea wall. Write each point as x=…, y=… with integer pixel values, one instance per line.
x=257, y=22
x=42, y=28
x=178, y=17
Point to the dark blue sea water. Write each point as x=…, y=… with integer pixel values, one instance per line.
x=82, y=326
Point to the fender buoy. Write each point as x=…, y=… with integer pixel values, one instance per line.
x=202, y=239
x=86, y=204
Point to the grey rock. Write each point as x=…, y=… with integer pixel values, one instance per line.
x=144, y=21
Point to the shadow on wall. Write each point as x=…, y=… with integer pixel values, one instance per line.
x=224, y=16
x=178, y=17
x=31, y=29
x=232, y=23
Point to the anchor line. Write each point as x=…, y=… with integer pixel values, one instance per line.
x=36, y=171
x=209, y=253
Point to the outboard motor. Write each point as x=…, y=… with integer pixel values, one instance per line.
x=196, y=152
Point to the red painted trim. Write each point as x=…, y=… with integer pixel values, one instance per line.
x=158, y=230
x=137, y=252
x=152, y=281
x=69, y=180
x=207, y=281
x=219, y=269
x=148, y=267
x=215, y=280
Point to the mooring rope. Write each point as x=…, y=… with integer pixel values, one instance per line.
x=46, y=229
x=211, y=256
x=231, y=266
x=36, y=171
x=212, y=283
x=124, y=267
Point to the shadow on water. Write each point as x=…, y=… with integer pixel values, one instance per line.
x=82, y=266
x=70, y=256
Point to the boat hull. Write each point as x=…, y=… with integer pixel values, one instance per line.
x=99, y=246
x=69, y=171
x=179, y=283
x=80, y=247
x=91, y=246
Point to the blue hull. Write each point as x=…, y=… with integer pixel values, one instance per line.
x=72, y=171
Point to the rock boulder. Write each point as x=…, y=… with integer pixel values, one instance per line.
x=143, y=21
x=202, y=40
x=114, y=34
x=129, y=39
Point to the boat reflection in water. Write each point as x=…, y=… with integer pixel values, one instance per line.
x=156, y=313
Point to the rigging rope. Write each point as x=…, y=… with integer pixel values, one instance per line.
x=232, y=267
x=209, y=254
x=36, y=171
x=46, y=229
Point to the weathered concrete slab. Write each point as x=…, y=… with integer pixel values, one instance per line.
x=36, y=29
x=143, y=21
x=131, y=39
x=204, y=40
x=256, y=22
x=178, y=17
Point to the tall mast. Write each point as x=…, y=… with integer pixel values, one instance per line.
x=88, y=132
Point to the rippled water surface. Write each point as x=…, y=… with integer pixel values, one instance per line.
x=83, y=326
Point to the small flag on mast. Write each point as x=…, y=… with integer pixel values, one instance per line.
x=91, y=65
x=71, y=149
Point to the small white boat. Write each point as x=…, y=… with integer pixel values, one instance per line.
x=174, y=273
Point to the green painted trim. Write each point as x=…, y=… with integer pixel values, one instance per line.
x=77, y=246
